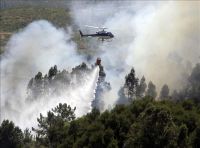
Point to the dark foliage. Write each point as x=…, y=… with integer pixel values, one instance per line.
x=131, y=89
x=164, y=93
x=151, y=90
x=192, y=89
x=143, y=123
x=11, y=136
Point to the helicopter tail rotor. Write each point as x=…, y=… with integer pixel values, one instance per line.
x=81, y=33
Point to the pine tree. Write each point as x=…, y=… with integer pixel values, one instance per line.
x=11, y=136
x=140, y=90
x=122, y=98
x=50, y=128
x=193, y=88
x=151, y=91
x=131, y=83
x=164, y=93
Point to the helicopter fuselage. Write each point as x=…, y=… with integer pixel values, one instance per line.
x=101, y=35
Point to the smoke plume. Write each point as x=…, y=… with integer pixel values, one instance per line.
x=36, y=48
x=159, y=39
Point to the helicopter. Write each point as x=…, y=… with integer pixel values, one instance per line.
x=101, y=35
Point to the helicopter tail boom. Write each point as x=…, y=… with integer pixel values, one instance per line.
x=87, y=35
x=81, y=33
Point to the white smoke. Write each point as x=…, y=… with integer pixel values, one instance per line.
x=79, y=96
x=36, y=48
x=160, y=39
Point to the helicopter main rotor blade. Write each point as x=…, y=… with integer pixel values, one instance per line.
x=91, y=26
x=96, y=27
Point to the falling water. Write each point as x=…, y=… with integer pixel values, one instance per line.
x=79, y=96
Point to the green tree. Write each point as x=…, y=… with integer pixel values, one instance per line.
x=11, y=136
x=151, y=90
x=113, y=144
x=38, y=76
x=141, y=88
x=183, y=136
x=51, y=129
x=196, y=139
x=193, y=88
x=154, y=128
x=131, y=83
x=52, y=72
x=164, y=93
x=64, y=111
x=28, y=137
x=188, y=104
x=122, y=97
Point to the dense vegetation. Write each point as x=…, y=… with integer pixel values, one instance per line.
x=143, y=123
x=137, y=120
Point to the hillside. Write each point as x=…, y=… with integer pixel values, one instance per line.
x=14, y=19
x=131, y=82
x=173, y=121
x=143, y=123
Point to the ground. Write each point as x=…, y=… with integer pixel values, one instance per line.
x=13, y=19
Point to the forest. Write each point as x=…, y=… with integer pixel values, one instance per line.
x=142, y=117
x=146, y=92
